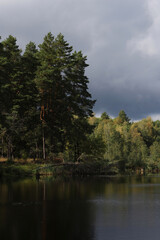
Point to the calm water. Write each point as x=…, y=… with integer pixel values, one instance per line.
x=92, y=209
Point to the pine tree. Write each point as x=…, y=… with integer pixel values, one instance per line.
x=62, y=88
x=29, y=101
x=122, y=117
x=10, y=91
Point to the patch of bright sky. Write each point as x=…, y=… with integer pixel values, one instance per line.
x=148, y=43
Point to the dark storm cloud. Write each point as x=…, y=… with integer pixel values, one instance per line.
x=120, y=38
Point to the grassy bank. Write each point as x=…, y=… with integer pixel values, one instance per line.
x=30, y=169
x=18, y=169
x=89, y=167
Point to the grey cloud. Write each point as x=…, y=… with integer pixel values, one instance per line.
x=120, y=78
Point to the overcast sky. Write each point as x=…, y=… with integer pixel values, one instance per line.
x=121, y=39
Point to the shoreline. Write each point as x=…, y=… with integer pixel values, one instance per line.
x=38, y=170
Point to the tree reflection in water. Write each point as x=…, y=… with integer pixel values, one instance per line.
x=90, y=209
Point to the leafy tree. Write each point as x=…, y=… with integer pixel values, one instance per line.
x=112, y=140
x=145, y=127
x=155, y=153
x=124, y=131
x=138, y=151
x=93, y=121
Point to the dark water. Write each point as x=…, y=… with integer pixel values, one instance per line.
x=92, y=209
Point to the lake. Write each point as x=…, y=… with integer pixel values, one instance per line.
x=126, y=208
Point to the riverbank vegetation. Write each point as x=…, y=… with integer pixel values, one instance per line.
x=46, y=115
x=129, y=146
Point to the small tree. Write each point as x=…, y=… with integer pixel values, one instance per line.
x=104, y=115
x=122, y=117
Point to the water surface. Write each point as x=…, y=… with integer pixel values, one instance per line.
x=91, y=209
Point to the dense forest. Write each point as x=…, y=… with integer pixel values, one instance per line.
x=46, y=111
x=44, y=99
x=128, y=145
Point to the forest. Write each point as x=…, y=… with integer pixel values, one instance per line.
x=129, y=145
x=44, y=100
x=47, y=112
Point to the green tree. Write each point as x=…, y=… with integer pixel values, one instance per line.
x=122, y=117
x=138, y=152
x=62, y=87
x=104, y=115
x=112, y=140
x=10, y=88
x=29, y=102
x=155, y=154
x=146, y=128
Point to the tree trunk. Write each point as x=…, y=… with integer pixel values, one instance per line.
x=37, y=151
x=44, y=149
x=9, y=151
x=2, y=153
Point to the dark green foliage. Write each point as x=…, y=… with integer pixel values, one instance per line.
x=44, y=100
x=46, y=112
x=10, y=93
x=105, y=116
x=123, y=117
